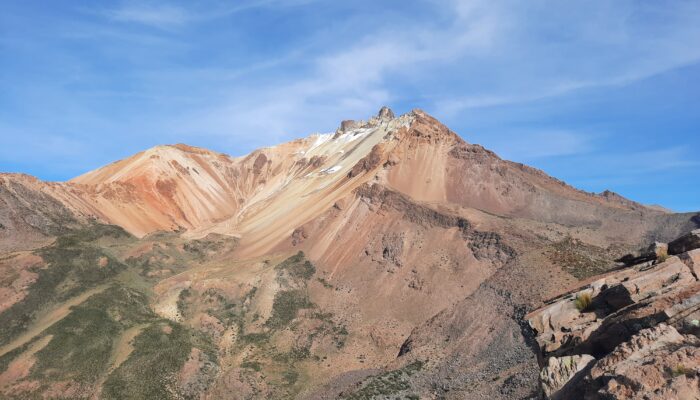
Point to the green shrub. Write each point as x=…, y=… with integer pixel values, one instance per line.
x=293, y=355
x=386, y=385
x=257, y=338
x=285, y=307
x=297, y=266
x=73, y=268
x=681, y=370
x=159, y=352
x=325, y=283
x=83, y=341
x=182, y=301
x=290, y=376
x=254, y=365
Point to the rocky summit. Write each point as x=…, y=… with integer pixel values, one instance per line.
x=388, y=259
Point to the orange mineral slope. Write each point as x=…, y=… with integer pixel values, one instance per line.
x=264, y=196
x=178, y=186
x=326, y=168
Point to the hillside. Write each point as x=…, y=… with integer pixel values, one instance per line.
x=387, y=258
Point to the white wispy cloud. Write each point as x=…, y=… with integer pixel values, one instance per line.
x=553, y=49
x=503, y=47
x=530, y=145
x=158, y=15
x=342, y=82
x=167, y=15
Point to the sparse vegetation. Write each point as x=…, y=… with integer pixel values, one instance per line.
x=325, y=283
x=82, y=342
x=680, y=370
x=254, y=365
x=583, y=302
x=580, y=259
x=256, y=338
x=387, y=384
x=209, y=245
x=182, y=301
x=285, y=307
x=662, y=256
x=7, y=358
x=290, y=376
x=297, y=266
x=74, y=267
x=293, y=355
x=159, y=352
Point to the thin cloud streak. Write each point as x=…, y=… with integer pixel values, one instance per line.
x=166, y=15
x=527, y=146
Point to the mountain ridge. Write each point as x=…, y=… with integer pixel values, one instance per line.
x=302, y=270
x=178, y=186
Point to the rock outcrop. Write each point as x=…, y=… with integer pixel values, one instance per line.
x=636, y=329
x=560, y=371
x=649, y=253
x=685, y=243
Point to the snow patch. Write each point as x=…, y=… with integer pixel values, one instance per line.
x=332, y=169
x=355, y=134
x=320, y=139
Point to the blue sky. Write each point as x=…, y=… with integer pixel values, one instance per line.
x=604, y=94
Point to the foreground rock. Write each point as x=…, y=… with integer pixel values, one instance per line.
x=658, y=363
x=632, y=333
x=560, y=371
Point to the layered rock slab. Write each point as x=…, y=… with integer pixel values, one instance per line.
x=638, y=329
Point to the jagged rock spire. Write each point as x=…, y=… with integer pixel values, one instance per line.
x=385, y=113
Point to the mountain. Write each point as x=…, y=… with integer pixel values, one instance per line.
x=387, y=258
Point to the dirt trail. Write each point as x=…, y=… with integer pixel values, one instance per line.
x=48, y=318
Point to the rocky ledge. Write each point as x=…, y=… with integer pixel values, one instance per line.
x=632, y=333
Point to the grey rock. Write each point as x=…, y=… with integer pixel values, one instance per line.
x=560, y=370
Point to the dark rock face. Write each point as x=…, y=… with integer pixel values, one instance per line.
x=385, y=113
x=685, y=243
x=393, y=248
x=298, y=236
x=28, y=215
x=484, y=245
x=367, y=163
x=260, y=162
x=347, y=125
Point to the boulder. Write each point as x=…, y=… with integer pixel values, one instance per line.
x=685, y=243
x=560, y=371
x=648, y=282
x=692, y=260
x=646, y=254
x=620, y=326
x=658, y=363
